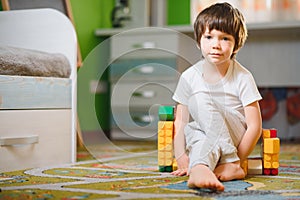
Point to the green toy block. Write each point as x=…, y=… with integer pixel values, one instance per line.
x=166, y=113
x=165, y=168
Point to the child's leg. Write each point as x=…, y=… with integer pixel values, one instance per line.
x=202, y=177
x=229, y=171
x=229, y=167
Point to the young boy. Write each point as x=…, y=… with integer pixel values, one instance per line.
x=222, y=98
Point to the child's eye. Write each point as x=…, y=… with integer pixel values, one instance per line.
x=207, y=36
x=228, y=38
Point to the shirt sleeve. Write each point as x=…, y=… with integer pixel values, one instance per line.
x=248, y=90
x=182, y=91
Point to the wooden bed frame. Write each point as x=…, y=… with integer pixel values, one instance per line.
x=62, y=5
x=38, y=114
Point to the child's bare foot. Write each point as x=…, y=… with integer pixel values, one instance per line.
x=229, y=171
x=202, y=177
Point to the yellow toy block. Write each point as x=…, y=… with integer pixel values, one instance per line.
x=271, y=145
x=165, y=146
x=266, y=133
x=175, y=166
x=271, y=165
x=271, y=161
x=244, y=166
x=271, y=157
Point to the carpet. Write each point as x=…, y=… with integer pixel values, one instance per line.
x=128, y=170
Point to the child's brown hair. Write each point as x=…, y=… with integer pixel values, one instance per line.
x=222, y=17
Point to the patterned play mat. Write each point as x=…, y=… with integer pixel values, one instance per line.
x=128, y=170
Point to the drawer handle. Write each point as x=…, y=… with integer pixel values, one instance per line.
x=11, y=141
x=145, y=45
x=143, y=119
x=144, y=94
x=144, y=70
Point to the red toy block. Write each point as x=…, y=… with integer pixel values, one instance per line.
x=271, y=172
x=273, y=133
x=267, y=171
x=274, y=171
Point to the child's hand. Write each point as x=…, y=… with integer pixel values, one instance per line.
x=182, y=166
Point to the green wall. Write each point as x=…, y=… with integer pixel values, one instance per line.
x=88, y=16
x=178, y=12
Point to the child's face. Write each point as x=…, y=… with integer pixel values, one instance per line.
x=217, y=46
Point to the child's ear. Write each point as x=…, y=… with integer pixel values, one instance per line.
x=235, y=51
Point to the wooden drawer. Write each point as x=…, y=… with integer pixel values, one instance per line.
x=140, y=94
x=144, y=69
x=35, y=138
x=143, y=42
x=135, y=118
x=27, y=92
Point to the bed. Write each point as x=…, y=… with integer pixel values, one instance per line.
x=37, y=103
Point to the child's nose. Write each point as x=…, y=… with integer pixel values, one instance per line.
x=216, y=43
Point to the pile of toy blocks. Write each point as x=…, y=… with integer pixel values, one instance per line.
x=166, y=160
x=271, y=149
x=266, y=164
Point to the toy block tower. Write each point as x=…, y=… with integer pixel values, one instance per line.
x=166, y=161
x=270, y=151
x=268, y=163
